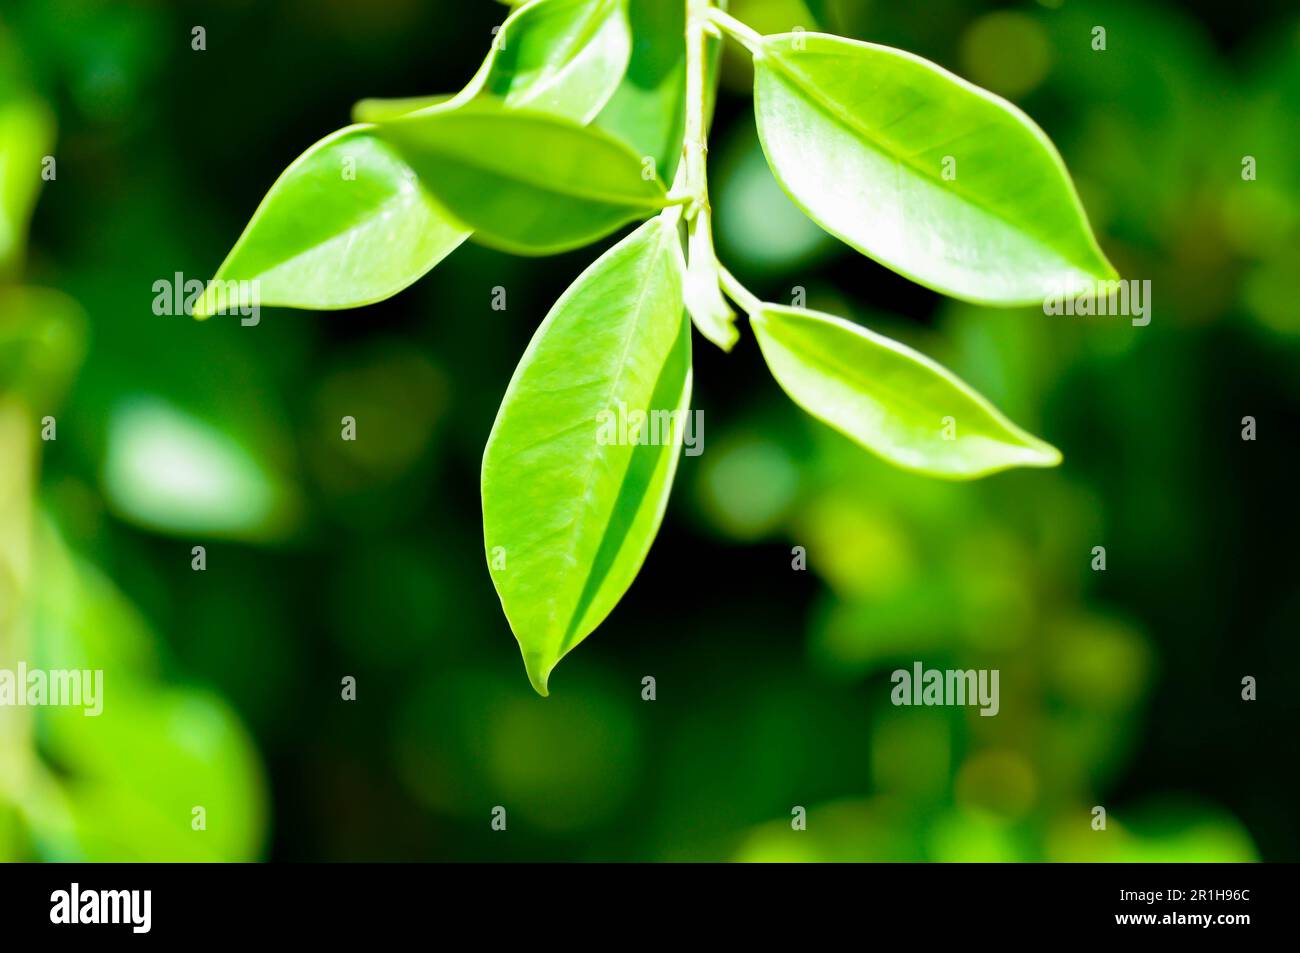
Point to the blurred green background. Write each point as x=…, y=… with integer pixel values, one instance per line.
x=328, y=559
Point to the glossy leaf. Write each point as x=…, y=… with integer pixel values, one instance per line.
x=570, y=507
x=26, y=136
x=648, y=108
x=935, y=178
x=381, y=110
x=895, y=402
x=526, y=182
x=347, y=224
x=564, y=57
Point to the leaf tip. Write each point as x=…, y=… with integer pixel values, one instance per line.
x=1030, y=453
x=539, y=672
x=1102, y=268
x=202, y=309
x=1043, y=454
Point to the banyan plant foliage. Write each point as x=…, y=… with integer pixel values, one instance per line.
x=590, y=115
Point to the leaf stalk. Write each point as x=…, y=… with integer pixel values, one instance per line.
x=743, y=34
x=749, y=302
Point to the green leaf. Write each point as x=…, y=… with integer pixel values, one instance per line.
x=26, y=136
x=121, y=785
x=139, y=769
x=368, y=111
x=324, y=238
x=564, y=57
x=858, y=135
x=347, y=224
x=569, y=506
x=526, y=182
x=648, y=109
x=895, y=402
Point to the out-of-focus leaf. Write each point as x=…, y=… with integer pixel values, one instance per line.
x=173, y=473
x=895, y=402
x=973, y=836
x=347, y=224
x=82, y=621
x=42, y=341
x=128, y=778
x=860, y=136
x=571, y=499
x=1007, y=52
x=26, y=136
x=526, y=182
x=135, y=773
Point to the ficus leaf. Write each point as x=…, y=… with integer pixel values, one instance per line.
x=382, y=110
x=895, y=402
x=526, y=182
x=913, y=166
x=564, y=57
x=347, y=224
x=571, y=502
x=649, y=105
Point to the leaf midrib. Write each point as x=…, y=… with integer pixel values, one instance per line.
x=541, y=184
x=585, y=509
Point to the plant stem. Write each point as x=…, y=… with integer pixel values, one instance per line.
x=678, y=199
x=697, y=19
x=745, y=35
x=704, y=299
